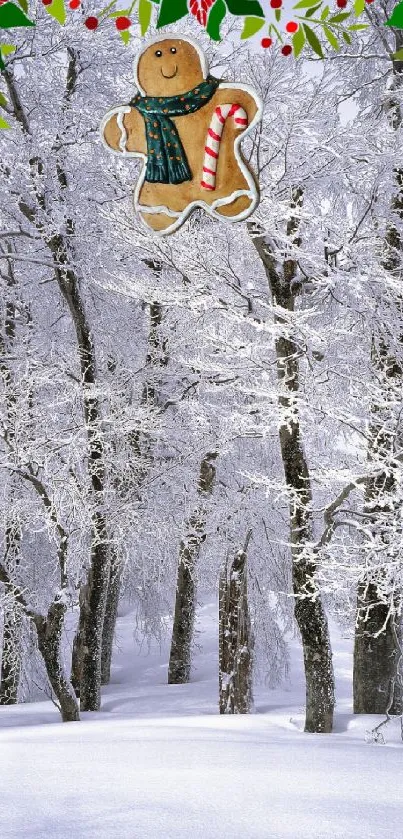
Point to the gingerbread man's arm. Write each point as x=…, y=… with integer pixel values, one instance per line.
x=123, y=130
x=242, y=96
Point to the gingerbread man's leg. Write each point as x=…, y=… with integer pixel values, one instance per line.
x=160, y=222
x=240, y=205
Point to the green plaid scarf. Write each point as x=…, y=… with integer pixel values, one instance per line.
x=166, y=157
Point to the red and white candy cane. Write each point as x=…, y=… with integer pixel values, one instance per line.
x=213, y=141
x=200, y=9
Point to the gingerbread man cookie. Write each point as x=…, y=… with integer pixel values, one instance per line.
x=187, y=127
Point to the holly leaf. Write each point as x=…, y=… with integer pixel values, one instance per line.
x=145, y=11
x=12, y=16
x=277, y=15
x=246, y=8
x=325, y=13
x=57, y=10
x=306, y=4
x=7, y=49
x=313, y=40
x=24, y=5
x=125, y=36
x=339, y=18
x=346, y=37
x=359, y=6
x=215, y=20
x=3, y=123
x=331, y=38
x=3, y=100
x=251, y=26
x=171, y=11
x=312, y=10
x=398, y=55
x=396, y=18
x=298, y=41
x=357, y=26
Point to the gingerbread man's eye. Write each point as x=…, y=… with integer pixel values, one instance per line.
x=173, y=49
x=158, y=53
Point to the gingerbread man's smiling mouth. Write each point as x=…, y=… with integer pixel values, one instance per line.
x=172, y=76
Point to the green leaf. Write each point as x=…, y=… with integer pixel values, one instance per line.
x=57, y=10
x=145, y=12
x=305, y=4
x=125, y=36
x=277, y=15
x=331, y=38
x=12, y=16
x=3, y=123
x=298, y=41
x=398, y=55
x=396, y=18
x=3, y=100
x=251, y=26
x=7, y=49
x=346, y=37
x=171, y=11
x=313, y=40
x=312, y=11
x=359, y=6
x=24, y=5
x=325, y=13
x=339, y=18
x=215, y=19
x=247, y=8
x=359, y=26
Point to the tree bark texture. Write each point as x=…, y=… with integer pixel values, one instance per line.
x=309, y=610
x=111, y=613
x=180, y=658
x=235, y=638
x=49, y=631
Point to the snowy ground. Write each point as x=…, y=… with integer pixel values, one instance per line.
x=159, y=763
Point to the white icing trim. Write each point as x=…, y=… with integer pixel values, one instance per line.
x=219, y=202
x=123, y=132
x=145, y=208
x=253, y=190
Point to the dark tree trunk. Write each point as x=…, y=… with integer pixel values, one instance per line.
x=377, y=686
x=111, y=614
x=49, y=631
x=235, y=638
x=180, y=658
x=11, y=655
x=12, y=618
x=309, y=611
x=61, y=247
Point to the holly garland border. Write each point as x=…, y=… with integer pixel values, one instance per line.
x=314, y=24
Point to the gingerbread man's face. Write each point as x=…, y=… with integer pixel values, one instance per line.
x=169, y=68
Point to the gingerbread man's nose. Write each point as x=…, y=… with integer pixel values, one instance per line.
x=169, y=72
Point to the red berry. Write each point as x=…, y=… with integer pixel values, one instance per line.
x=292, y=26
x=266, y=42
x=75, y=4
x=91, y=22
x=287, y=49
x=341, y=4
x=369, y=1
x=47, y=2
x=122, y=23
x=276, y=4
